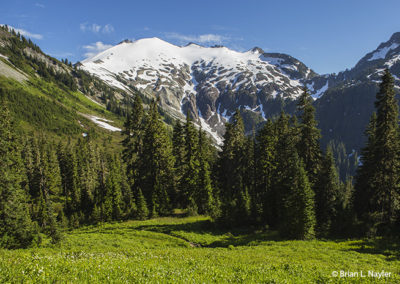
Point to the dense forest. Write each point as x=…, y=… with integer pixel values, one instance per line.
x=277, y=178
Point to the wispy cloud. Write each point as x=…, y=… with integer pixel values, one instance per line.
x=95, y=48
x=40, y=5
x=205, y=38
x=90, y=27
x=108, y=29
x=26, y=33
x=95, y=28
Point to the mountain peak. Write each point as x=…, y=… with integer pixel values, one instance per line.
x=125, y=41
x=257, y=49
x=194, y=44
x=395, y=37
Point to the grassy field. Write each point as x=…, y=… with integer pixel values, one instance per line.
x=190, y=250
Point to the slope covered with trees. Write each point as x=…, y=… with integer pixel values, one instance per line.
x=59, y=171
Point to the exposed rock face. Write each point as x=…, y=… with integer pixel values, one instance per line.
x=209, y=83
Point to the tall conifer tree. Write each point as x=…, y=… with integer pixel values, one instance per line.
x=327, y=195
x=234, y=195
x=157, y=164
x=308, y=145
x=16, y=228
x=383, y=161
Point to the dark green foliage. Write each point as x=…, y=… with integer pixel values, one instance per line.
x=364, y=179
x=204, y=195
x=113, y=192
x=327, y=195
x=377, y=184
x=178, y=150
x=346, y=162
x=156, y=171
x=280, y=176
x=142, y=210
x=276, y=178
x=16, y=229
x=309, y=135
x=298, y=219
x=264, y=196
x=189, y=183
x=234, y=195
x=133, y=143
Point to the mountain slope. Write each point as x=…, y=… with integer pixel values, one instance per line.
x=208, y=82
x=46, y=95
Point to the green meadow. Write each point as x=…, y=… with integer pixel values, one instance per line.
x=191, y=250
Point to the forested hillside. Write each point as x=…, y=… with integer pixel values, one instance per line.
x=64, y=165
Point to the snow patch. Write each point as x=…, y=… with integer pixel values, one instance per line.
x=321, y=91
x=382, y=52
x=102, y=122
x=392, y=61
x=310, y=86
x=208, y=129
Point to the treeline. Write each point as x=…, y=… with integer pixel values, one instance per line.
x=15, y=50
x=67, y=77
x=277, y=178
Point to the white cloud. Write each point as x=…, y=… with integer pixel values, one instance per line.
x=95, y=48
x=26, y=33
x=108, y=29
x=205, y=38
x=40, y=5
x=95, y=28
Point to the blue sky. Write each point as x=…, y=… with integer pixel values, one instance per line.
x=327, y=35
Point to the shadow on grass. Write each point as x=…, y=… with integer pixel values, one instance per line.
x=389, y=247
x=224, y=237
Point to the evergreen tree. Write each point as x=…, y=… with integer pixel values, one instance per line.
x=142, y=210
x=16, y=229
x=87, y=169
x=133, y=142
x=190, y=179
x=343, y=223
x=285, y=146
x=178, y=150
x=234, y=194
x=327, y=195
x=157, y=162
x=382, y=160
x=265, y=196
x=116, y=192
x=298, y=216
x=205, y=199
x=363, y=194
x=69, y=178
x=308, y=144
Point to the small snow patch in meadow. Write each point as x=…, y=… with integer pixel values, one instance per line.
x=102, y=122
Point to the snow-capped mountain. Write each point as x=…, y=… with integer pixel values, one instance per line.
x=346, y=106
x=209, y=82
x=368, y=69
